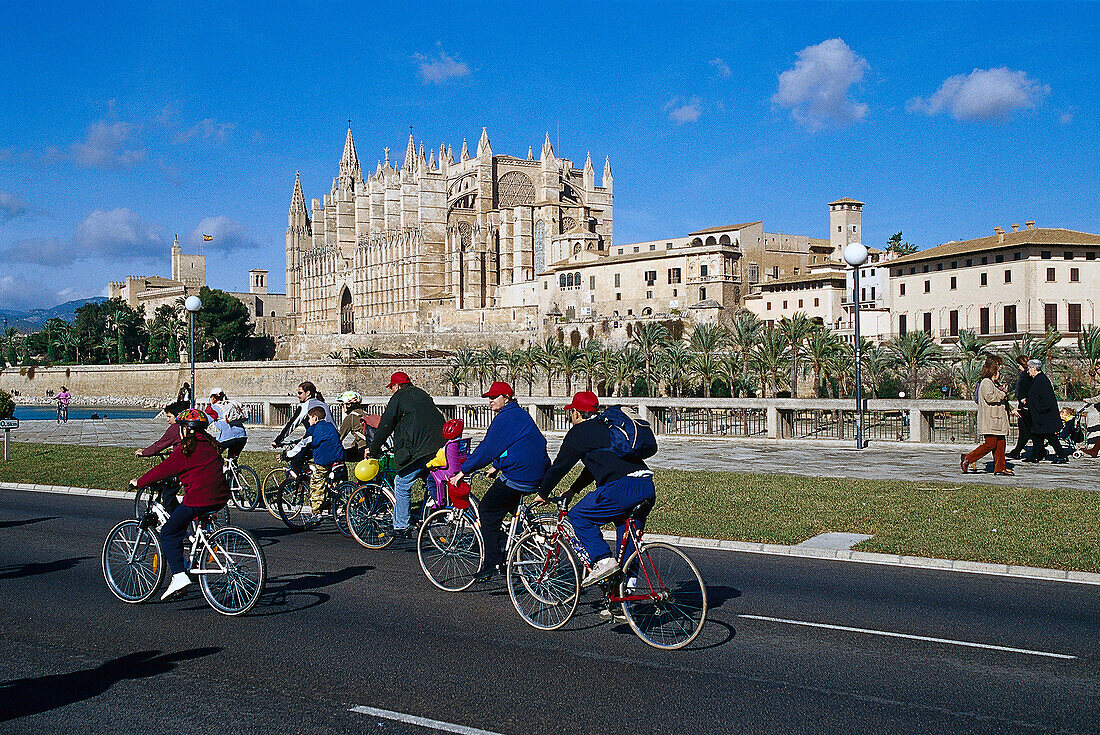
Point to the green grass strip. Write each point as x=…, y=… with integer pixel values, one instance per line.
x=1057, y=529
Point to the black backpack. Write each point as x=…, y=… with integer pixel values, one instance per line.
x=631, y=438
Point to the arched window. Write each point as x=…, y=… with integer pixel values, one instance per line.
x=561, y=280
x=724, y=240
x=540, y=246
x=347, y=318
x=576, y=279
x=711, y=241
x=696, y=242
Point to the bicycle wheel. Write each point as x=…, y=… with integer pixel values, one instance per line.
x=450, y=549
x=370, y=516
x=245, y=487
x=340, y=497
x=269, y=490
x=132, y=562
x=232, y=571
x=294, y=504
x=142, y=499
x=543, y=581
x=676, y=606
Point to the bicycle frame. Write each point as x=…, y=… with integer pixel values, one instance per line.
x=199, y=536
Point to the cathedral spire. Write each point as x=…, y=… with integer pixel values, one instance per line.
x=297, y=199
x=547, y=149
x=431, y=160
x=349, y=162
x=465, y=155
x=410, y=155
x=422, y=164
x=530, y=153
x=607, y=173
x=483, y=147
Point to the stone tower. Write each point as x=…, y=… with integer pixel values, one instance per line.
x=298, y=237
x=189, y=270
x=845, y=225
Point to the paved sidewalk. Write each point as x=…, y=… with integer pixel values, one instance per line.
x=882, y=461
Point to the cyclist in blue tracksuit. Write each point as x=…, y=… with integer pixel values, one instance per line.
x=516, y=448
x=620, y=484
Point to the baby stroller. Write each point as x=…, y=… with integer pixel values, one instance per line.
x=1083, y=429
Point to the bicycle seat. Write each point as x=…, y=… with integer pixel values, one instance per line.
x=641, y=509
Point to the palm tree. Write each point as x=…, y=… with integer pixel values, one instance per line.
x=1088, y=345
x=768, y=359
x=366, y=353
x=734, y=370
x=912, y=352
x=590, y=361
x=969, y=372
x=822, y=349
x=796, y=330
x=493, y=357
x=466, y=361
x=545, y=358
x=455, y=376
x=648, y=338
x=625, y=369
x=971, y=347
x=568, y=361
x=523, y=363
x=674, y=361
x=704, y=368
x=744, y=334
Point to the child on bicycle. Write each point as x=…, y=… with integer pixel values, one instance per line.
x=322, y=441
x=447, y=460
x=198, y=464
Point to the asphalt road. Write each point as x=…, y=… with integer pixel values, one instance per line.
x=342, y=627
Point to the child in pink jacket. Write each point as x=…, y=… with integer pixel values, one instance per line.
x=449, y=459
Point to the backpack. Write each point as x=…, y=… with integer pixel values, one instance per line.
x=368, y=424
x=630, y=438
x=234, y=413
x=977, y=392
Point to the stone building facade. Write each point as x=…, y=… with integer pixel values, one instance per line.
x=439, y=250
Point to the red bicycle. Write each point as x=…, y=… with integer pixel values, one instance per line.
x=661, y=593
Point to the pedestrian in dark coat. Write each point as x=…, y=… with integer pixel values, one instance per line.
x=1023, y=383
x=1045, y=421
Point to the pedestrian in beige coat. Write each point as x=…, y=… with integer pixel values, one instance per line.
x=992, y=420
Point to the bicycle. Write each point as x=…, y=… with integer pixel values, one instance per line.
x=294, y=499
x=150, y=494
x=227, y=560
x=451, y=547
x=370, y=507
x=244, y=484
x=660, y=590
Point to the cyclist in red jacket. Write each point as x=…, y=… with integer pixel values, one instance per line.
x=198, y=464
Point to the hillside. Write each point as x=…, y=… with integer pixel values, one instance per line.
x=32, y=320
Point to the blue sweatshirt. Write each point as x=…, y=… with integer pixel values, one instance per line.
x=324, y=440
x=515, y=446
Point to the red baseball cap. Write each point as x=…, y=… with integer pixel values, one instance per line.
x=499, y=388
x=397, y=379
x=585, y=402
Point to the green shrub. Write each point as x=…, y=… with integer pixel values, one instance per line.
x=7, y=405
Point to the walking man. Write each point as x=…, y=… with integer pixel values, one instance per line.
x=1045, y=421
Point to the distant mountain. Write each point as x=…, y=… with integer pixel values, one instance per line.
x=32, y=320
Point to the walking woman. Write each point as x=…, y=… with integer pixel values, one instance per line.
x=992, y=420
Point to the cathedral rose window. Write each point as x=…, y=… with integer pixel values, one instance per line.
x=515, y=188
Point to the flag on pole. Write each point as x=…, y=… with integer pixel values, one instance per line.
x=207, y=238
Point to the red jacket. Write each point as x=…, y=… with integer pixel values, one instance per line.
x=200, y=474
x=170, y=439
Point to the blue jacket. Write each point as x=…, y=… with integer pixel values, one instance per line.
x=515, y=446
x=324, y=440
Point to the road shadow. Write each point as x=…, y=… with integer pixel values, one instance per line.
x=16, y=571
x=34, y=695
x=291, y=593
x=26, y=521
x=720, y=594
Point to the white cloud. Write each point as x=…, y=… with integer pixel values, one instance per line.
x=440, y=69
x=683, y=111
x=11, y=206
x=207, y=129
x=49, y=251
x=722, y=67
x=106, y=145
x=1066, y=117
x=228, y=234
x=119, y=233
x=817, y=88
x=983, y=94
x=168, y=116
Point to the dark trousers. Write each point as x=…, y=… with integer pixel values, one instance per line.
x=499, y=501
x=1037, y=441
x=609, y=503
x=175, y=531
x=1024, y=425
x=233, y=447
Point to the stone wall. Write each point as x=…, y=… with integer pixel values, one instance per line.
x=268, y=378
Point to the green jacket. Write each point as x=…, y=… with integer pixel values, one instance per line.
x=416, y=424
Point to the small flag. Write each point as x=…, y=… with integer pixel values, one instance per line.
x=207, y=238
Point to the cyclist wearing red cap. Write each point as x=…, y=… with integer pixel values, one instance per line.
x=416, y=425
x=621, y=483
x=198, y=464
x=514, y=445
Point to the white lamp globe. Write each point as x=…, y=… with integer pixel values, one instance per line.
x=192, y=303
x=855, y=254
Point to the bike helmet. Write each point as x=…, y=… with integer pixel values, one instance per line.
x=193, y=419
x=452, y=429
x=366, y=470
x=349, y=396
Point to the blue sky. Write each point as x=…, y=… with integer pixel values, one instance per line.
x=127, y=123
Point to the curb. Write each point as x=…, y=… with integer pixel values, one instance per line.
x=863, y=557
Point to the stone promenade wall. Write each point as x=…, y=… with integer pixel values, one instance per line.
x=268, y=378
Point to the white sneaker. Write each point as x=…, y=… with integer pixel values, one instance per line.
x=616, y=614
x=601, y=570
x=179, y=582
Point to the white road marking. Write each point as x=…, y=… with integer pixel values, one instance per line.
x=421, y=721
x=908, y=636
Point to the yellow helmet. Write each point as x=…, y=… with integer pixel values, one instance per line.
x=366, y=470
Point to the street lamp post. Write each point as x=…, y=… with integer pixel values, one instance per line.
x=855, y=255
x=192, y=304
